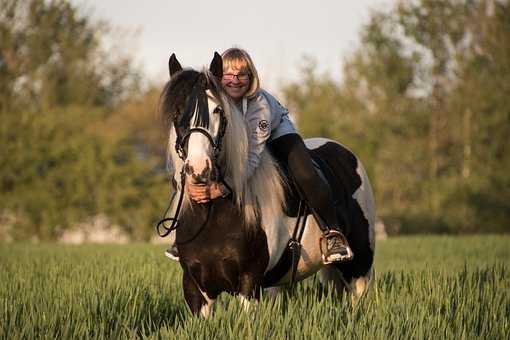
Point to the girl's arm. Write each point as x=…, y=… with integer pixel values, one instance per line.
x=258, y=116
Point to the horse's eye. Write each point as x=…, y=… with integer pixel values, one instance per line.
x=218, y=109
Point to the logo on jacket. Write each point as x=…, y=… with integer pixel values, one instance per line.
x=263, y=125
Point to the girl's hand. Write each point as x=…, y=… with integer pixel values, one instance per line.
x=203, y=193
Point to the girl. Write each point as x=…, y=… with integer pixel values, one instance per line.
x=270, y=125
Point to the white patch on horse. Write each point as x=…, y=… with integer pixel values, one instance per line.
x=199, y=147
x=365, y=198
x=214, y=119
x=311, y=258
x=315, y=143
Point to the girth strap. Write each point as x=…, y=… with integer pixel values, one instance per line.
x=292, y=252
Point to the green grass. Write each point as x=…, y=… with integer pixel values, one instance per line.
x=426, y=287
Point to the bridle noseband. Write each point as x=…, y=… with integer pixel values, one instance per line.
x=216, y=144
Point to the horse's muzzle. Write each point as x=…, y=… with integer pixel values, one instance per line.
x=209, y=173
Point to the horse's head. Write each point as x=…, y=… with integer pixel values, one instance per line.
x=193, y=105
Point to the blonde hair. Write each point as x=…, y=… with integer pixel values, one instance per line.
x=238, y=59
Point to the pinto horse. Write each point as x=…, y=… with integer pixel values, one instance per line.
x=237, y=244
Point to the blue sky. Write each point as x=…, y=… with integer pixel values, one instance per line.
x=278, y=34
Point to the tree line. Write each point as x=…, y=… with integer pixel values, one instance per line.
x=424, y=101
x=78, y=136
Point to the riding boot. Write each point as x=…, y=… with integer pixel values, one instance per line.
x=334, y=247
x=333, y=243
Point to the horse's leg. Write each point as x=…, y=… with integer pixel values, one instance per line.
x=331, y=276
x=197, y=300
x=360, y=285
x=248, y=290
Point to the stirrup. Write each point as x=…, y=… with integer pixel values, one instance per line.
x=343, y=254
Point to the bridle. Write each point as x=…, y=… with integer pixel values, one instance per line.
x=180, y=144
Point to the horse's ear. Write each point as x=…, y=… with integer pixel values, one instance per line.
x=216, y=67
x=173, y=65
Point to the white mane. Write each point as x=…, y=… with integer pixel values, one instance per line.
x=264, y=189
x=263, y=192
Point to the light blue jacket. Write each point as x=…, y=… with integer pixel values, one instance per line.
x=267, y=120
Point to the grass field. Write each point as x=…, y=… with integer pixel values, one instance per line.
x=426, y=287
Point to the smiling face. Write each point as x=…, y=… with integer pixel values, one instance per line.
x=236, y=80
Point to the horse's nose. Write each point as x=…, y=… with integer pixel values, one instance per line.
x=188, y=169
x=203, y=176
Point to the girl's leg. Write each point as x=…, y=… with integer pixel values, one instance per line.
x=291, y=150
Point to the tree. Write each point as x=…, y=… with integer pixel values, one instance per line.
x=63, y=156
x=423, y=102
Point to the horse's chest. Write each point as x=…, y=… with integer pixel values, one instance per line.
x=216, y=249
x=223, y=253
x=220, y=264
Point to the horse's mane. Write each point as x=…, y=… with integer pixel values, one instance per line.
x=262, y=195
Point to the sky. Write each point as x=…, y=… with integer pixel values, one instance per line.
x=279, y=35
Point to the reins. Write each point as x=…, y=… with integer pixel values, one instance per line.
x=175, y=219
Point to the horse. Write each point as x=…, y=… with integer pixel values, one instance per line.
x=237, y=244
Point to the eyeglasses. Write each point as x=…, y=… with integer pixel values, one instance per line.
x=240, y=76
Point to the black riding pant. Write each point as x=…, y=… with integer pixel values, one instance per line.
x=291, y=151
